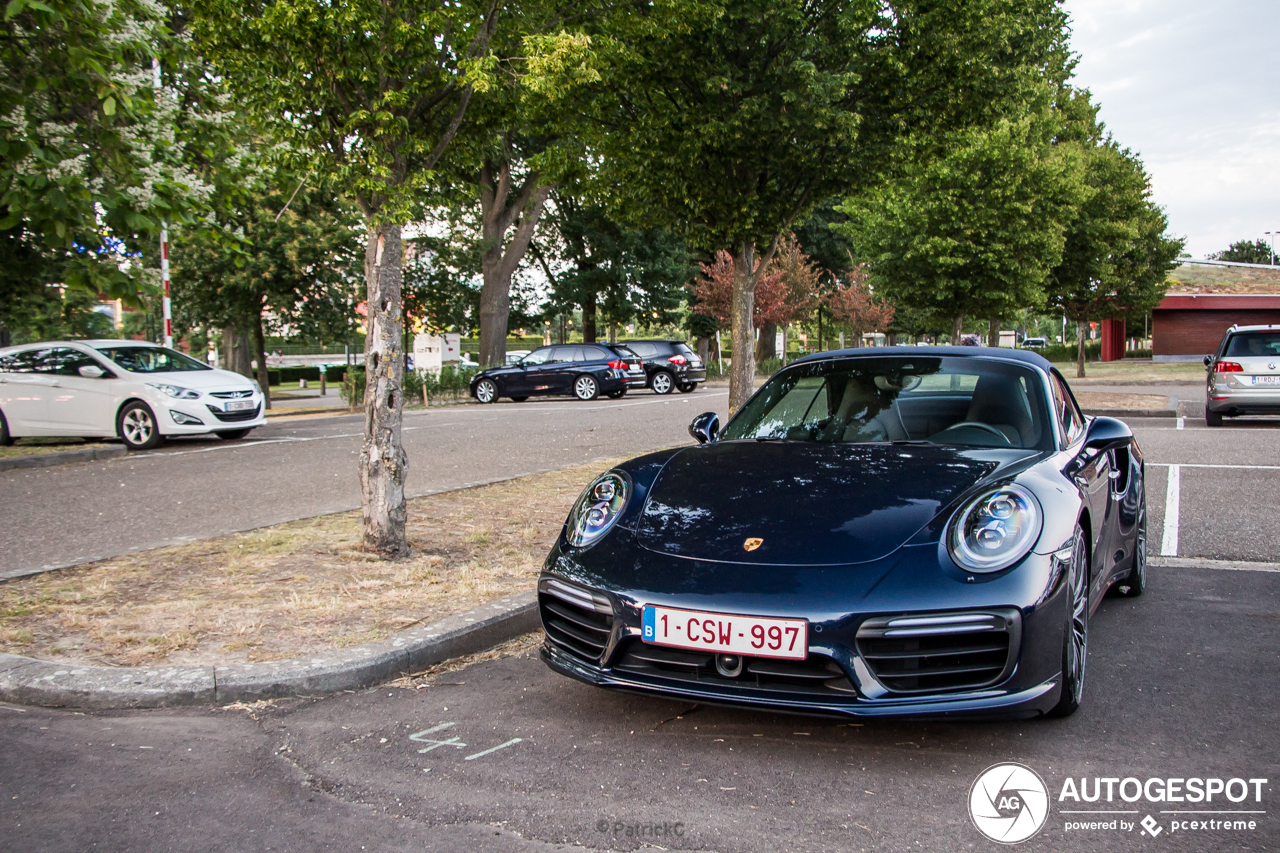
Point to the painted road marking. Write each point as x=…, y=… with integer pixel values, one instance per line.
x=420, y=737
x=1207, y=465
x=1172, y=499
x=1216, y=565
x=1181, y=422
x=512, y=742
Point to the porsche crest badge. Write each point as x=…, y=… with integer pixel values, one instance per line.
x=752, y=544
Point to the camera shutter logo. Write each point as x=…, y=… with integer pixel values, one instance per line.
x=1009, y=803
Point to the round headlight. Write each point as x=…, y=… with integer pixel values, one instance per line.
x=995, y=530
x=599, y=506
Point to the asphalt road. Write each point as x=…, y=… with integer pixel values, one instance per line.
x=197, y=487
x=1181, y=684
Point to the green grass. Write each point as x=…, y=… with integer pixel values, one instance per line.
x=47, y=444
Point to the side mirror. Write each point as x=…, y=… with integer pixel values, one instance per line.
x=92, y=371
x=705, y=427
x=1106, y=434
x=1208, y=360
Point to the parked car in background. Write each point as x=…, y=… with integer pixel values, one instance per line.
x=669, y=364
x=514, y=355
x=1035, y=343
x=1244, y=374
x=583, y=370
x=465, y=362
x=135, y=391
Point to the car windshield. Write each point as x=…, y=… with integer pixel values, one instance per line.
x=951, y=401
x=1262, y=344
x=151, y=359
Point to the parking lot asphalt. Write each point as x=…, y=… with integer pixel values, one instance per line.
x=508, y=756
x=192, y=488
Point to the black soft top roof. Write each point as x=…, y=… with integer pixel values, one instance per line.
x=1027, y=356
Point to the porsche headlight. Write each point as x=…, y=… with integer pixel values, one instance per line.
x=176, y=391
x=598, y=508
x=995, y=530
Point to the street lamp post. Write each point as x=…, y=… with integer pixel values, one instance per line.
x=1272, y=235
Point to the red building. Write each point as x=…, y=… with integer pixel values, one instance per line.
x=1190, y=325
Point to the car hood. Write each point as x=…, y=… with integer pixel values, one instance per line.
x=809, y=503
x=198, y=380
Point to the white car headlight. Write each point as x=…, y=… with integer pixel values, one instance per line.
x=599, y=506
x=176, y=391
x=256, y=386
x=995, y=530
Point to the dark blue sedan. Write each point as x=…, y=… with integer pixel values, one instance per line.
x=890, y=531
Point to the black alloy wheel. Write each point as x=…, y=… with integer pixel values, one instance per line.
x=586, y=388
x=486, y=391
x=1075, y=642
x=234, y=434
x=662, y=382
x=136, y=425
x=1212, y=418
x=5, y=438
x=1132, y=585
x=617, y=395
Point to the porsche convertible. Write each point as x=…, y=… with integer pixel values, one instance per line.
x=876, y=532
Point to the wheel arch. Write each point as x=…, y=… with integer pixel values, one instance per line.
x=134, y=398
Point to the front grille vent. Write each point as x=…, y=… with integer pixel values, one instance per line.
x=231, y=417
x=231, y=395
x=817, y=674
x=575, y=619
x=944, y=652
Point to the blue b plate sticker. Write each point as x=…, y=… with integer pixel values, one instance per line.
x=648, y=622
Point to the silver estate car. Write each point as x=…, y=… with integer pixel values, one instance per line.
x=1244, y=374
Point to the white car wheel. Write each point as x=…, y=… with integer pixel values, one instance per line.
x=662, y=382
x=486, y=391
x=586, y=388
x=137, y=427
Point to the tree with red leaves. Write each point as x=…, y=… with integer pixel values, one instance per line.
x=853, y=304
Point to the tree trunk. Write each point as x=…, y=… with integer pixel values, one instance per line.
x=993, y=332
x=383, y=463
x=1080, y=324
x=784, y=345
x=237, y=355
x=499, y=210
x=742, y=370
x=957, y=329
x=703, y=346
x=260, y=350
x=589, y=319
x=767, y=343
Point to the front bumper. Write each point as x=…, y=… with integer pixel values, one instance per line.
x=206, y=415
x=842, y=615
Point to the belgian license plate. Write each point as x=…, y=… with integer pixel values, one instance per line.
x=1266, y=380
x=725, y=632
x=239, y=405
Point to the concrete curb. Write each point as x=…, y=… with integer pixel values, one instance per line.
x=46, y=460
x=1133, y=413
x=28, y=681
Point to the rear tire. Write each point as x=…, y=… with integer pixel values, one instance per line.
x=586, y=388
x=662, y=382
x=519, y=399
x=1075, y=641
x=233, y=434
x=486, y=391
x=1212, y=418
x=617, y=395
x=5, y=438
x=136, y=425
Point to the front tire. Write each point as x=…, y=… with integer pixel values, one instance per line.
x=662, y=382
x=586, y=388
x=486, y=391
x=5, y=438
x=519, y=399
x=617, y=395
x=136, y=425
x=1212, y=418
x=687, y=387
x=1075, y=642
x=233, y=434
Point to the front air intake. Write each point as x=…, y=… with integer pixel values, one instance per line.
x=941, y=652
x=575, y=619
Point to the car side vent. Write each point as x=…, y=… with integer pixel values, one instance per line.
x=575, y=619
x=942, y=652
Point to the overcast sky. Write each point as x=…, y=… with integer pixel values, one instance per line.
x=1194, y=87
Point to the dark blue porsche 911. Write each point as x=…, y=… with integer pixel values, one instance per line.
x=890, y=531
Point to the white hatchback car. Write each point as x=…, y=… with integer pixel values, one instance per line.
x=136, y=391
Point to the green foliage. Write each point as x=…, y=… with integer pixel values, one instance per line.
x=768, y=366
x=56, y=314
x=92, y=159
x=450, y=383
x=1246, y=252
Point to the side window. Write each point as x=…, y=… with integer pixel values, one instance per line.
x=596, y=354
x=538, y=356
x=644, y=350
x=560, y=354
x=65, y=361
x=19, y=362
x=1068, y=415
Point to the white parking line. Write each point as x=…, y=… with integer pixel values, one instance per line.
x=1181, y=422
x=1220, y=565
x=1169, y=547
x=1208, y=465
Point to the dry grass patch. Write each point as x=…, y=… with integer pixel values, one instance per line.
x=48, y=444
x=1101, y=401
x=292, y=588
